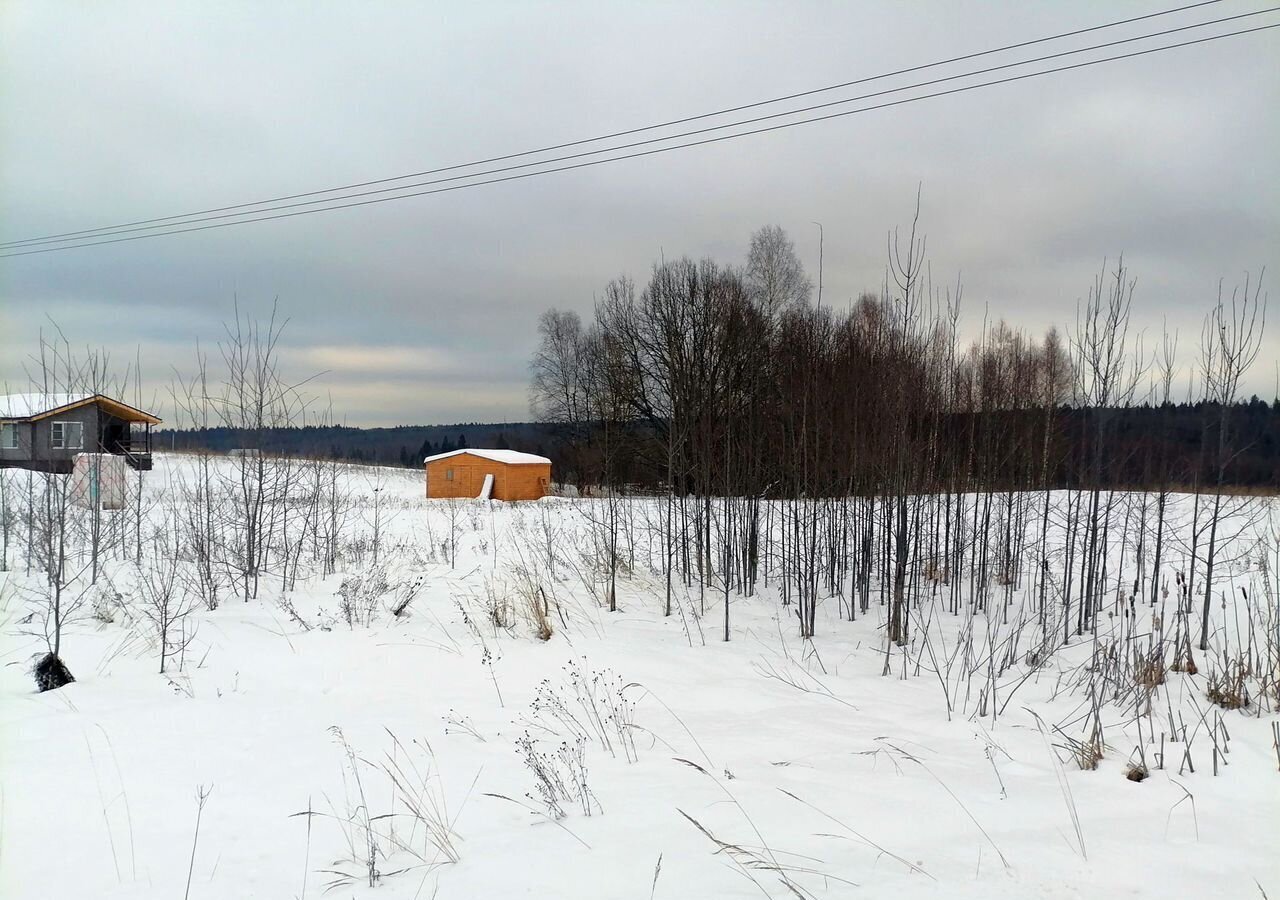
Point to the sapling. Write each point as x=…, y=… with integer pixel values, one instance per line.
x=1231, y=341
x=163, y=602
x=202, y=796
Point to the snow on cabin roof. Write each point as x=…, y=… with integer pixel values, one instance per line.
x=24, y=406
x=38, y=404
x=511, y=457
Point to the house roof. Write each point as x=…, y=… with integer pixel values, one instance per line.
x=510, y=457
x=24, y=406
x=41, y=405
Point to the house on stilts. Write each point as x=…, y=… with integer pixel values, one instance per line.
x=47, y=431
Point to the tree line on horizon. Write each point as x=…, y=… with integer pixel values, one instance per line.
x=1138, y=431
x=401, y=445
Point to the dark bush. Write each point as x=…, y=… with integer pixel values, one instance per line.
x=51, y=673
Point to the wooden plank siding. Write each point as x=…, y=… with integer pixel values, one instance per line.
x=511, y=481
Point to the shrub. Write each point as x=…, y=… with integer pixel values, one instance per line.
x=51, y=673
x=358, y=596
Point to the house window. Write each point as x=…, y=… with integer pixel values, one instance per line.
x=67, y=436
x=448, y=474
x=9, y=436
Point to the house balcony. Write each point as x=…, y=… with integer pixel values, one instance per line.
x=136, y=451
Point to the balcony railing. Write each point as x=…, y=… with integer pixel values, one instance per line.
x=132, y=447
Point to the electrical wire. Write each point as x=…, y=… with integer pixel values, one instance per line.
x=625, y=133
x=253, y=217
x=196, y=218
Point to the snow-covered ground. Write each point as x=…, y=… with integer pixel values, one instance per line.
x=765, y=766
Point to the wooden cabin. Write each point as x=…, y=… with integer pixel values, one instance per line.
x=46, y=432
x=462, y=473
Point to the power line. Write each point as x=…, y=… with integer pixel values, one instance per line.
x=625, y=133
x=712, y=140
x=196, y=218
x=260, y=218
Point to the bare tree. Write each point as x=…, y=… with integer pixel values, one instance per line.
x=775, y=276
x=1229, y=345
x=558, y=390
x=255, y=399
x=1165, y=368
x=163, y=600
x=54, y=525
x=1107, y=374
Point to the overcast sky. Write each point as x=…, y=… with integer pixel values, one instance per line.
x=424, y=310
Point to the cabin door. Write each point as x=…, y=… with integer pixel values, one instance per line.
x=115, y=437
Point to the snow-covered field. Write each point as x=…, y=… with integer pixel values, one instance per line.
x=684, y=766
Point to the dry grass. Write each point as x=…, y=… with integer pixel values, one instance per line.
x=1228, y=687
x=1150, y=671
x=537, y=610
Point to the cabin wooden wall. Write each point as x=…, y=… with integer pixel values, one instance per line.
x=526, y=481
x=23, y=452
x=35, y=441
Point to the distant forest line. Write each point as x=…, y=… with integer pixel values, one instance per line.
x=401, y=445
x=1135, y=436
